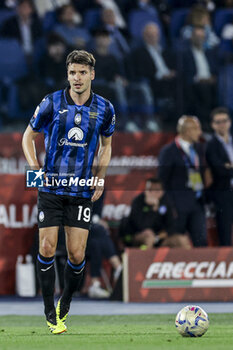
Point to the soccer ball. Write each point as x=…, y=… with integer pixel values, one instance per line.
x=192, y=321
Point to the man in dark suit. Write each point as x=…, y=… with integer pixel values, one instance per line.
x=181, y=171
x=199, y=72
x=24, y=26
x=158, y=67
x=219, y=156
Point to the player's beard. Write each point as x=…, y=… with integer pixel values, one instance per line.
x=80, y=92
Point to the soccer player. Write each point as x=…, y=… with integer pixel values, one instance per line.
x=75, y=121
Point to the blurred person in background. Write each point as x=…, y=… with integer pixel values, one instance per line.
x=109, y=80
x=43, y=6
x=113, y=5
x=70, y=28
x=159, y=9
x=100, y=246
x=227, y=31
x=200, y=17
x=52, y=68
x=151, y=220
x=200, y=69
x=24, y=26
x=119, y=46
x=85, y=5
x=157, y=66
x=182, y=172
x=219, y=156
x=8, y=4
x=144, y=5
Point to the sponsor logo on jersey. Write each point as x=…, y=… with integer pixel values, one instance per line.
x=75, y=134
x=63, y=111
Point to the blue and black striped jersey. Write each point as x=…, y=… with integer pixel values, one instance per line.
x=71, y=135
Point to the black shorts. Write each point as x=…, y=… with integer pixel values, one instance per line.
x=56, y=210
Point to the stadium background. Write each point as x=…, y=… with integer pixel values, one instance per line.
x=19, y=72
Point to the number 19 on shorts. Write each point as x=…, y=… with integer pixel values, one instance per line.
x=84, y=214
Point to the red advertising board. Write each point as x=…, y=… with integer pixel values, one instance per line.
x=177, y=275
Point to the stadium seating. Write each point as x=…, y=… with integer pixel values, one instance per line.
x=222, y=16
x=49, y=21
x=178, y=19
x=13, y=65
x=12, y=60
x=226, y=46
x=92, y=19
x=138, y=19
x=4, y=15
x=14, y=110
x=225, y=86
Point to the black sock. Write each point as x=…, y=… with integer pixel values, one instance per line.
x=46, y=276
x=72, y=277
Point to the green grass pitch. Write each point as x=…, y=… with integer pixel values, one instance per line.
x=112, y=332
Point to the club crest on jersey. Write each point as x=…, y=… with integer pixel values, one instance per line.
x=77, y=118
x=75, y=134
x=41, y=216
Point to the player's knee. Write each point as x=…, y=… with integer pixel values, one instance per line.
x=76, y=257
x=47, y=248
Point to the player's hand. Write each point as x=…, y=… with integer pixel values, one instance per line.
x=104, y=224
x=98, y=192
x=163, y=234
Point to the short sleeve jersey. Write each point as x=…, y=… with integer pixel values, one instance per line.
x=71, y=136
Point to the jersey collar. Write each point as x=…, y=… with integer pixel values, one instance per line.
x=71, y=102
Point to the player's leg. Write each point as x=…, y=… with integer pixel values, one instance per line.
x=94, y=253
x=46, y=275
x=197, y=226
x=76, y=240
x=50, y=212
x=146, y=237
x=177, y=241
x=45, y=265
x=109, y=251
x=224, y=210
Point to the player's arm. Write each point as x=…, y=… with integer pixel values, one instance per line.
x=104, y=156
x=29, y=148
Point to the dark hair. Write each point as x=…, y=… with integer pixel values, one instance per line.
x=80, y=57
x=20, y=2
x=100, y=31
x=154, y=180
x=54, y=38
x=195, y=13
x=218, y=110
x=61, y=9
